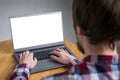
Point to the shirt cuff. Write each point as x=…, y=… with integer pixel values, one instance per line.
x=23, y=66
x=73, y=63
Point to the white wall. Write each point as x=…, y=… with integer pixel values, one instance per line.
x=29, y=7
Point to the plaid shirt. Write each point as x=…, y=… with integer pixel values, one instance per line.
x=94, y=67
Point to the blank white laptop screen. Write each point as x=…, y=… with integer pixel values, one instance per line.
x=37, y=30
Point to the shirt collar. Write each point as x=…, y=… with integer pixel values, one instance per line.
x=103, y=59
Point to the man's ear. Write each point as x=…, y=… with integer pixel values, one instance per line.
x=80, y=31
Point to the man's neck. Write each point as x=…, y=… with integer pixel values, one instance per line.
x=100, y=50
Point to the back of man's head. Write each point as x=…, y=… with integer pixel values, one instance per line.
x=100, y=19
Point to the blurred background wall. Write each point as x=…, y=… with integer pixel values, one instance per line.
x=30, y=7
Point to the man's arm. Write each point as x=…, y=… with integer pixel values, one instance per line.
x=27, y=62
x=22, y=71
x=64, y=57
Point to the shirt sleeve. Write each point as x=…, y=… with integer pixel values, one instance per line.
x=69, y=75
x=74, y=63
x=21, y=72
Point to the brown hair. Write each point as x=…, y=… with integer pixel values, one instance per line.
x=99, y=18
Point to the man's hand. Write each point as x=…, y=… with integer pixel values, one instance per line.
x=27, y=57
x=61, y=56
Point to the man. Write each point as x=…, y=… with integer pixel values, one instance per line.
x=97, y=27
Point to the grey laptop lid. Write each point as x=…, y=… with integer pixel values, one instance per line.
x=36, y=30
x=33, y=31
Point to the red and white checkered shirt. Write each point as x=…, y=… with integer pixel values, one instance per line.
x=93, y=67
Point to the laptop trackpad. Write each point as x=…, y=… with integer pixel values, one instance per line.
x=46, y=65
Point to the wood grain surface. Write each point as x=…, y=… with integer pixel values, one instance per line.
x=8, y=62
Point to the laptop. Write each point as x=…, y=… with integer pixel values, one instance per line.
x=39, y=34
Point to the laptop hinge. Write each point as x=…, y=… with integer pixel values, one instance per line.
x=41, y=46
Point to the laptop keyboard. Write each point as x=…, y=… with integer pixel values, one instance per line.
x=40, y=55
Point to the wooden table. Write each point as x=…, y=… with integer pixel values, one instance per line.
x=8, y=62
